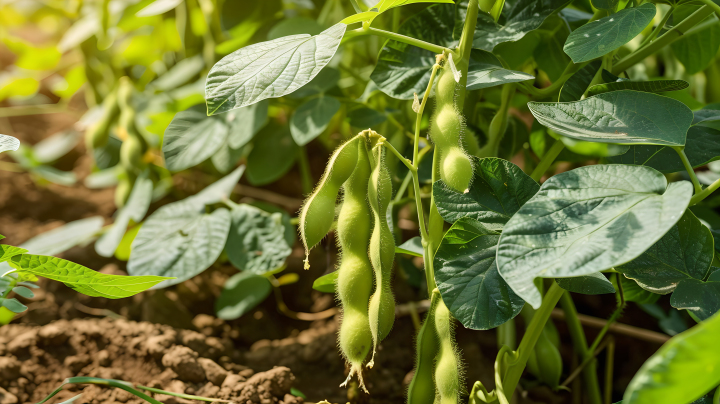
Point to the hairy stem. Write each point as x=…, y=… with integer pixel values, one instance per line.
x=669, y=37
x=397, y=37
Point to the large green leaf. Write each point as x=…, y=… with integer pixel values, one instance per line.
x=9, y=251
x=65, y=237
x=136, y=207
x=256, y=242
x=274, y=152
x=587, y=220
x=592, y=284
x=217, y=191
x=498, y=189
x=575, y=87
x=685, y=252
x=700, y=298
x=701, y=147
x=654, y=86
x=682, y=370
x=191, y=138
x=633, y=292
x=468, y=280
x=326, y=283
x=620, y=117
x=8, y=143
x=245, y=123
x=549, y=54
x=241, y=293
x=600, y=37
x=177, y=240
x=403, y=69
x=520, y=18
x=312, y=118
x=269, y=69
x=82, y=279
x=485, y=71
x=697, y=48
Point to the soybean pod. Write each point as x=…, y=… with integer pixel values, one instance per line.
x=318, y=211
x=448, y=379
x=99, y=133
x=422, y=386
x=355, y=273
x=382, y=249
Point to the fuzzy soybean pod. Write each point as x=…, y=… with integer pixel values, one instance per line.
x=318, y=211
x=381, y=251
x=446, y=131
x=99, y=133
x=448, y=379
x=355, y=273
x=422, y=385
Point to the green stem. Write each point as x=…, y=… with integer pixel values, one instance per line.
x=716, y=396
x=657, y=29
x=570, y=69
x=580, y=343
x=618, y=311
x=181, y=395
x=396, y=37
x=713, y=6
x=609, y=364
x=666, y=39
x=305, y=175
x=498, y=125
x=529, y=339
x=468, y=32
x=499, y=360
x=698, y=197
x=416, y=181
x=105, y=382
x=547, y=160
x=689, y=168
x=357, y=7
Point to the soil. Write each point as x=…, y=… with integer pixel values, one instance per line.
x=169, y=339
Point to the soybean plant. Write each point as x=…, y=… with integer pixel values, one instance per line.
x=515, y=243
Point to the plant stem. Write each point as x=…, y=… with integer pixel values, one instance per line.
x=498, y=125
x=689, y=168
x=529, y=339
x=357, y=7
x=468, y=32
x=581, y=348
x=698, y=197
x=547, y=160
x=181, y=395
x=666, y=39
x=396, y=37
x=657, y=29
x=570, y=69
x=716, y=396
x=713, y=6
x=305, y=175
x=609, y=363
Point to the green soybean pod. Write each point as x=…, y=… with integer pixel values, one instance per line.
x=355, y=273
x=318, y=211
x=448, y=378
x=99, y=133
x=381, y=251
x=422, y=386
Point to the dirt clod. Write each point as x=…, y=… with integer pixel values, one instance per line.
x=183, y=361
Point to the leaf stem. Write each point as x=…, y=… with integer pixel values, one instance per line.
x=689, y=168
x=713, y=6
x=547, y=160
x=182, y=395
x=306, y=179
x=358, y=8
x=396, y=37
x=666, y=39
x=659, y=28
x=532, y=333
x=468, y=32
x=698, y=197
x=570, y=69
x=580, y=343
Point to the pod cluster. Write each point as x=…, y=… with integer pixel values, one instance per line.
x=437, y=378
x=367, y=246
x=446, y=132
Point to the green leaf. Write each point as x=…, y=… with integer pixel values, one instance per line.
x=24, y=292
x=241, y=293
x=181, y=73
x=326, y=283
x=65, y=237
x=468, y=280
x=294, y=26
x=14, y=305
x=363, y=118
x=485, y=71
x=179, y=241
x=592, y=284
x=701, y=147
x=403, y=69
x=411, y=247
x=135, y=209
x=588, y=220
x=521, y=18
x=600, y=37
x=697, y=48
x=8, y=143
x=498, y=189
x=9, y=251
x=383, y=6
x=700, y=298
x=217, y=191
x=53, y=147
x=575, y=87
x=682, y=370
x=273, y=154
x=245, y=122
x=269, y=69
x=226, y=158
x=633, y=292
x=685, y=252
x=654, y=86
x=256, y=242
x=549, y=53
x=620, y=117
x=82, y=279
x=605, y=4
x=312, y=118
x=191, y=138
x=324, y=81
x=158, y=7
